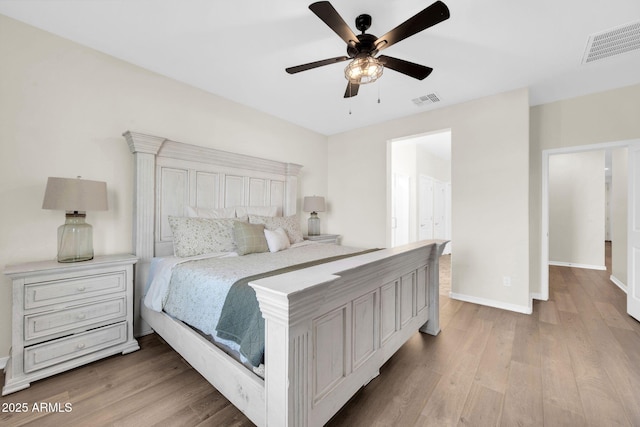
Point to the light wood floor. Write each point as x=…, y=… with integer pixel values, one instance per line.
x=574, y=362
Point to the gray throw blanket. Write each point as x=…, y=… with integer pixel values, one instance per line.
x=241, y=320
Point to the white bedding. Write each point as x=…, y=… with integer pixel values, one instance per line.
x=194, y=289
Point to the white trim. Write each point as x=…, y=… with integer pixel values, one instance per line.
x=3, y=362
x=618, y=283
x=492, y=303
x=575, y=265
x=544, y=246
x=539, y=296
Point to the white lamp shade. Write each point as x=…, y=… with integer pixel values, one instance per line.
x=75, y=194
x=313, y=204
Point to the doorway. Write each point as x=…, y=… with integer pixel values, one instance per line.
x=421, y=166
x=619, y=212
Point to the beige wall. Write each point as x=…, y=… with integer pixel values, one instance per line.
x=598, y=118
x=433, y=166
x=489, y=176
x=577, y=209
x=63, y=109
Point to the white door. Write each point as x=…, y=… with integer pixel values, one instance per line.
x=439, y=211
x=400, y=210
x=425, y=208
x=633, y=234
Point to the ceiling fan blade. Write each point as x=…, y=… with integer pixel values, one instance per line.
x=411, y=69
x=330, y=16
x=316, y=64
x=352, y=89
x=430, y=16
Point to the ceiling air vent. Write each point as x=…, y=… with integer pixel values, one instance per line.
x=612, y=42
x=431, y=98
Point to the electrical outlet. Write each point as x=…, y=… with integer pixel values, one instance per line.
x=506, y=280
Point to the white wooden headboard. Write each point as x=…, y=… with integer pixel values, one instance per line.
x=170, y=175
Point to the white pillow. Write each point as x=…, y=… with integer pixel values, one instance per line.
x=195, y=212
x=256, y=210
x=290, y=224
x=277, y=240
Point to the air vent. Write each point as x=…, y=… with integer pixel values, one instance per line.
x=612, y=42
x=431, y=98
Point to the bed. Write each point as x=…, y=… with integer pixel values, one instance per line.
x=328, y=328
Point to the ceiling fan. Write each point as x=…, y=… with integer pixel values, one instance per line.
x=365, y=67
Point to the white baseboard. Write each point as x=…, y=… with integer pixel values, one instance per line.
x=618, y=283
x=539, y=296
x=3, y=362
x=492, y=303
x=574, y=265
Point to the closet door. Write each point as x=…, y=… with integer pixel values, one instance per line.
x=425, y=208
x=400, y=210
x=440, y=211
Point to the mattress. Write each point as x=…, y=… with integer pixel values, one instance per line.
x=194, y=290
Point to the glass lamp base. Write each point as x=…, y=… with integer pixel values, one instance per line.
x=75, y=239
x=313, y=225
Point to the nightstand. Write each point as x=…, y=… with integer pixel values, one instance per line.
x=324, y=238
x=68, y=314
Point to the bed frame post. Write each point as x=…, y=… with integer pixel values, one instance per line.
x=144, y=149
x=432, y=327
x=286, y=353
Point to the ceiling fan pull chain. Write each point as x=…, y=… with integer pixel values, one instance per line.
x=378, y=92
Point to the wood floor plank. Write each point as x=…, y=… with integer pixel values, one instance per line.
x=526, y=345
x=493, y=369
x=523, y=397
x=612, y=316
x=630, y=343
x=600, y=402
x=564, y=302
x=558, y=417
x=449, y=397
x=482, y=408
x=558, y=380
x=548, y=312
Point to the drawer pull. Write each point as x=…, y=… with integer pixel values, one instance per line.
x=81, y=316
x=80, y=346
x=81, y=288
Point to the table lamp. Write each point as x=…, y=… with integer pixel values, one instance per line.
x=313, y=204
x=75, y=196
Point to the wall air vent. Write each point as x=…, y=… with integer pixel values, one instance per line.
x=625, y=38
x=431, y=98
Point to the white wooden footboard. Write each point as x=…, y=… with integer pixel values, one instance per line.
x=330, y=328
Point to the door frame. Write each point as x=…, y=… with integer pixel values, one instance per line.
x=544, y=238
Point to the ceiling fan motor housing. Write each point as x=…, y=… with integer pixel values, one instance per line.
x=365, y=45
x=363, y=22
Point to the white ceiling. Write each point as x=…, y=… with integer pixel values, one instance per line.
x=239, y=49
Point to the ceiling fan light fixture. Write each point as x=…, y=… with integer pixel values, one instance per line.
x=363, y=69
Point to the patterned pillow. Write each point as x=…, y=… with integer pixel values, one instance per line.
x=249, y=238
x=197, y=236
x=291, y=225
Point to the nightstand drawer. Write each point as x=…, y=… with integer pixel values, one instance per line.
x=54, y=292
x=67, y=348
x=55, y=322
